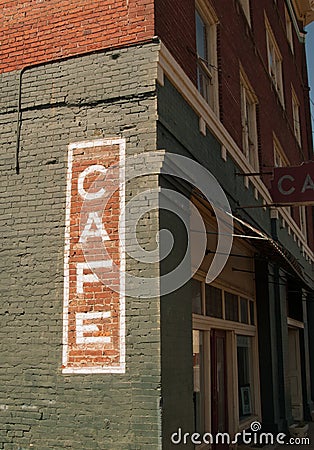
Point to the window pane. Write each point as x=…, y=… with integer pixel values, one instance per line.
x=221, y=382
x=213, y=299
x=248, y=121
x=231, y=307
x=244, y=376
x=289, y=28
x=274, y=63
x=198, y=375
x=252, y=316
x=296, y=117
x=196, y=297
x=201, y=37
x=244, y=310
x=203, y=83
x=246, y=9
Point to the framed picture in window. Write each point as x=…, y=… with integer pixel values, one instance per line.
x=246, y=402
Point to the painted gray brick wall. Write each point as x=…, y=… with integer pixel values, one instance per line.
x=110, y=94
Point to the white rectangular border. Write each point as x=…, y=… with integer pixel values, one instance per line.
x=95, y=369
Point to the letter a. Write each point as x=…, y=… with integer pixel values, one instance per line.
x=308, y=183
x=93, y=217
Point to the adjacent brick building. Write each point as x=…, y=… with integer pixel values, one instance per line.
x=113, y=365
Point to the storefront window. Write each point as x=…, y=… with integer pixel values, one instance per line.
x=224, y=325
x=196, y=296
x=213, y=299
x=244, y=376
x=244, y=310
x=220, y=304
x=231, y=305
x=198, y=374
x=252, y=316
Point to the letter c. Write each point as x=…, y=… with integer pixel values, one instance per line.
x=80, y=184
x=280, y=188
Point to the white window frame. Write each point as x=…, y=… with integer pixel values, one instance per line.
x=274, y=61
x=280, y=158
x=296, y=116
x=208, y=68
x=245, y=4
x=249, y=121
x=289, y=29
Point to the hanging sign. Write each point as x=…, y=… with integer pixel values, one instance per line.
x=293, y=185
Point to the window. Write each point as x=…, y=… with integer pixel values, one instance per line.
x=198, y=377
x=280, y=159
x=248, y=119
x=225, y=349
x=196, y=297
x=252, y=313
x=244, y=310
x=221, y=304
x=296, y=117
x=274, y=62
x=244, y=362
x=245, y=4
x=231, y=306
x=213, y=301
x=289, y=28
x=206, y=49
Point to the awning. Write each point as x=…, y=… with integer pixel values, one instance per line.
x=274, y=250
x=266, y=246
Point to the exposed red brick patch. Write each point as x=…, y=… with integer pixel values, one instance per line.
x=93, y=312
x=34, y=31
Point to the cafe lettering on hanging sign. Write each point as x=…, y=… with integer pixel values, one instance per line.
x=94, y=299
x=293, y=185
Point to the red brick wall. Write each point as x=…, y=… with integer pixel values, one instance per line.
x=236, y=47
x=240, y=44
x=38, y=30
x=175, y=24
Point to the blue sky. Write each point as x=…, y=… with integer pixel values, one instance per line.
x=310, y=62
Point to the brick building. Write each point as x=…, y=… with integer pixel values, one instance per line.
x=85, y=86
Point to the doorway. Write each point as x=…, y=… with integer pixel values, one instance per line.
x=219, y=400
x=294, y=374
